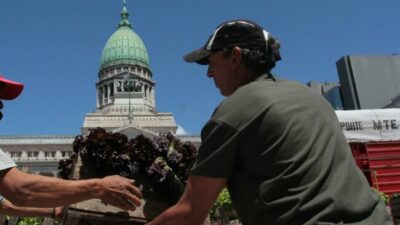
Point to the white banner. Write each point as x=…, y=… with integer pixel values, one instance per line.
x=370, y=125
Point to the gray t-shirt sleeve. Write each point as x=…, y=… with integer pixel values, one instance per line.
x=5, y=161
x=217, y=152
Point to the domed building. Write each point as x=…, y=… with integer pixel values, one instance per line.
x=126, y=89
x=125, y=104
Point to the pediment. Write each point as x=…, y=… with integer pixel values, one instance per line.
x=132, y=131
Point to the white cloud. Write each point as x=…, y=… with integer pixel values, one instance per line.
x=181, y=131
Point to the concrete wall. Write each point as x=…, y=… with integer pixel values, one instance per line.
x=369, y=82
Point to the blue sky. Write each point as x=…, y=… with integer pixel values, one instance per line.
x=54, y=48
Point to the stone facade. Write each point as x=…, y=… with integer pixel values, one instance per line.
x=37, y=154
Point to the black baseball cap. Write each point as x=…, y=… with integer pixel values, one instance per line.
x=241, y=33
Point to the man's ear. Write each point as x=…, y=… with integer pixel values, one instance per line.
x=237, y=55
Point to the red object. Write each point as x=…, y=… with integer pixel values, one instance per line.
x=380, y=163
x=9, y=89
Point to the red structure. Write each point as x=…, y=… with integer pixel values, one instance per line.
x=380, y=163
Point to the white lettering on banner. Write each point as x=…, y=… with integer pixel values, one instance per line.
x=370, y=125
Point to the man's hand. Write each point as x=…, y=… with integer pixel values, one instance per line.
x=120, y=192
x=40, y=191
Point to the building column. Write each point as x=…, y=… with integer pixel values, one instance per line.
x=108, y=92
x=100, y=96
x=152, y=99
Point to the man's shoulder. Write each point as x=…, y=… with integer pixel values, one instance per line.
x=263, y=89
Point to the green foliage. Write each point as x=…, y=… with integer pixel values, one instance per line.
x=385, y=197
x=30, y=221
x=33, y=221
x=224, y=200
x=223, y=209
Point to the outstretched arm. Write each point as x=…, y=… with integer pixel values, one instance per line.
x=195, y=203
x=40, y=191
x=7, y=208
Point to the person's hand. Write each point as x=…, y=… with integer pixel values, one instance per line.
x=120, y=192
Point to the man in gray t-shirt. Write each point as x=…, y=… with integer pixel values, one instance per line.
x=275, y=145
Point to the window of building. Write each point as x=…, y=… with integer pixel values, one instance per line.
x=33, y=154
x=49, y=154
x=66, y=154
x=15, y=154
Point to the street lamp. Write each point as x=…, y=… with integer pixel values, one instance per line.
x=129, y=86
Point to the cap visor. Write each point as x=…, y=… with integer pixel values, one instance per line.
x=199, y=56
x=11, y=89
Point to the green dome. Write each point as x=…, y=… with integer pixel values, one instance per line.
x=124, y=46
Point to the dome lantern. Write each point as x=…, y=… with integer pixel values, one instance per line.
x=124, y=17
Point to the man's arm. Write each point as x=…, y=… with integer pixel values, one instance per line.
x=195, y=203
x=40, y=191
x=7, y=208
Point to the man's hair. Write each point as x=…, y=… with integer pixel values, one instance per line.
x=260, y=47
x=260, y=60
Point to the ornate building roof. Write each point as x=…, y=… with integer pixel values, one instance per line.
x=126, y=89
x=124, y=46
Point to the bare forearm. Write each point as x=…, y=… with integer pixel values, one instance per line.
x=195, y=203
x=28, y=212
x=39, y=191
x=11, y=210
x=7, y=208
x=177, y=215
